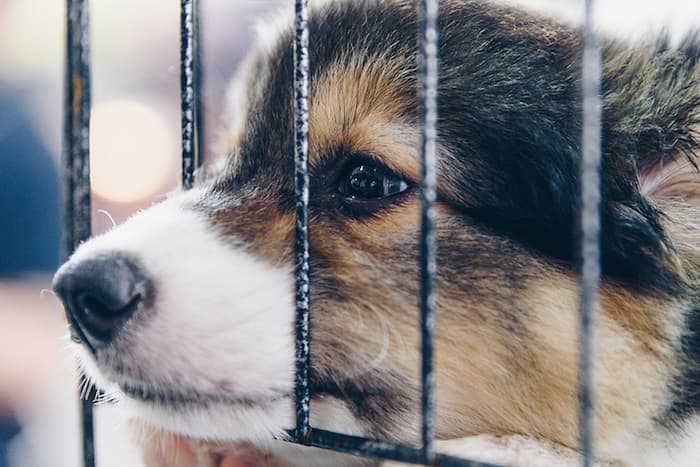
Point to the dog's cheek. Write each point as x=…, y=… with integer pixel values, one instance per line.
x=223, y=318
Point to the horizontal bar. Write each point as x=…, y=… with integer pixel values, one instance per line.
x=372, y=448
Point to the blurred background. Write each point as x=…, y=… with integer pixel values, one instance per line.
x=135, y=162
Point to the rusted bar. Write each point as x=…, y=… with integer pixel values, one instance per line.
x=76, y=163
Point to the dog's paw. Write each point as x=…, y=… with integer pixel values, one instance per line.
x=167, y=450
x=511, y=451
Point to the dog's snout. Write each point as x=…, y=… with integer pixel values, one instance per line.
x=100, y=295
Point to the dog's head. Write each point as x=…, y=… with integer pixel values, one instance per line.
x=185, y=312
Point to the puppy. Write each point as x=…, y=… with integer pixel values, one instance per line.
x=185, y=313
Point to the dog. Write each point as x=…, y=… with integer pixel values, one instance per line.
x=184, y=314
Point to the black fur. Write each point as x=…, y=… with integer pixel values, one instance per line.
x=687, y=402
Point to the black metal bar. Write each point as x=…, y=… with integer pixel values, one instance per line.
x=382, y=450
x=301, y=177
x=187, y=91
x=76, y=162
x=200, y=151
x=429, y=43
x=590, y=223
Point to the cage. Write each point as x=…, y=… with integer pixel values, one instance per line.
x=77, y=210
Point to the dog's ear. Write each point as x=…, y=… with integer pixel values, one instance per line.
x=668, y=134
x=653, y=102
x=674, y=179
x=652, y=146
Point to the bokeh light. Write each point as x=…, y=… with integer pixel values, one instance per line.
x=133, y=151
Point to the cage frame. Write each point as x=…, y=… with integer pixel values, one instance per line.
x=77, y=210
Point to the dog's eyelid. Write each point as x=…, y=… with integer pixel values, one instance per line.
x=359, y=157
x=365, y=185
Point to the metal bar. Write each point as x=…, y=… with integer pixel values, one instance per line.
x=187, y=91
x=378, y=449
x=590, y=223
x=76, y=162
x=199, y=85
x=429, y=44
x=301, y=178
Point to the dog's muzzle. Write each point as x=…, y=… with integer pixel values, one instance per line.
x=100, y=295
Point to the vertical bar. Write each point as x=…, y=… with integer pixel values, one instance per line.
x=76, y=162
x=199, y=84
x=187, y=92
x=429, y=44
x=590, y=223
x=301, y=186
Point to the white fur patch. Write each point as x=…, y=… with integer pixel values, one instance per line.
x=221, y=326
x=679, y=452
x=509, y=451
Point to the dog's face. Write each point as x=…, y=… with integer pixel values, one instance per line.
x=186, y=311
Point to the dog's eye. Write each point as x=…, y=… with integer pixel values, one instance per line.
x=368, y=180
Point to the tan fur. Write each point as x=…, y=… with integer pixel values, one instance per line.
x=354, y=95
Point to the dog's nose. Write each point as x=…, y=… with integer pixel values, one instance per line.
x=100, y=294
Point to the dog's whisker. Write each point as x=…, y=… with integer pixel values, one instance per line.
x=84, y=385
x=381, y=356
x=108, y=215
x=44, y=292
x=375, y=362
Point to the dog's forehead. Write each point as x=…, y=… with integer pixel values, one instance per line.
x=362, y=91
x=507, y=89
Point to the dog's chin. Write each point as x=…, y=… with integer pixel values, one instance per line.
x=199, y=416
x=245, y=432
x=196, y=414
x=258, y=419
